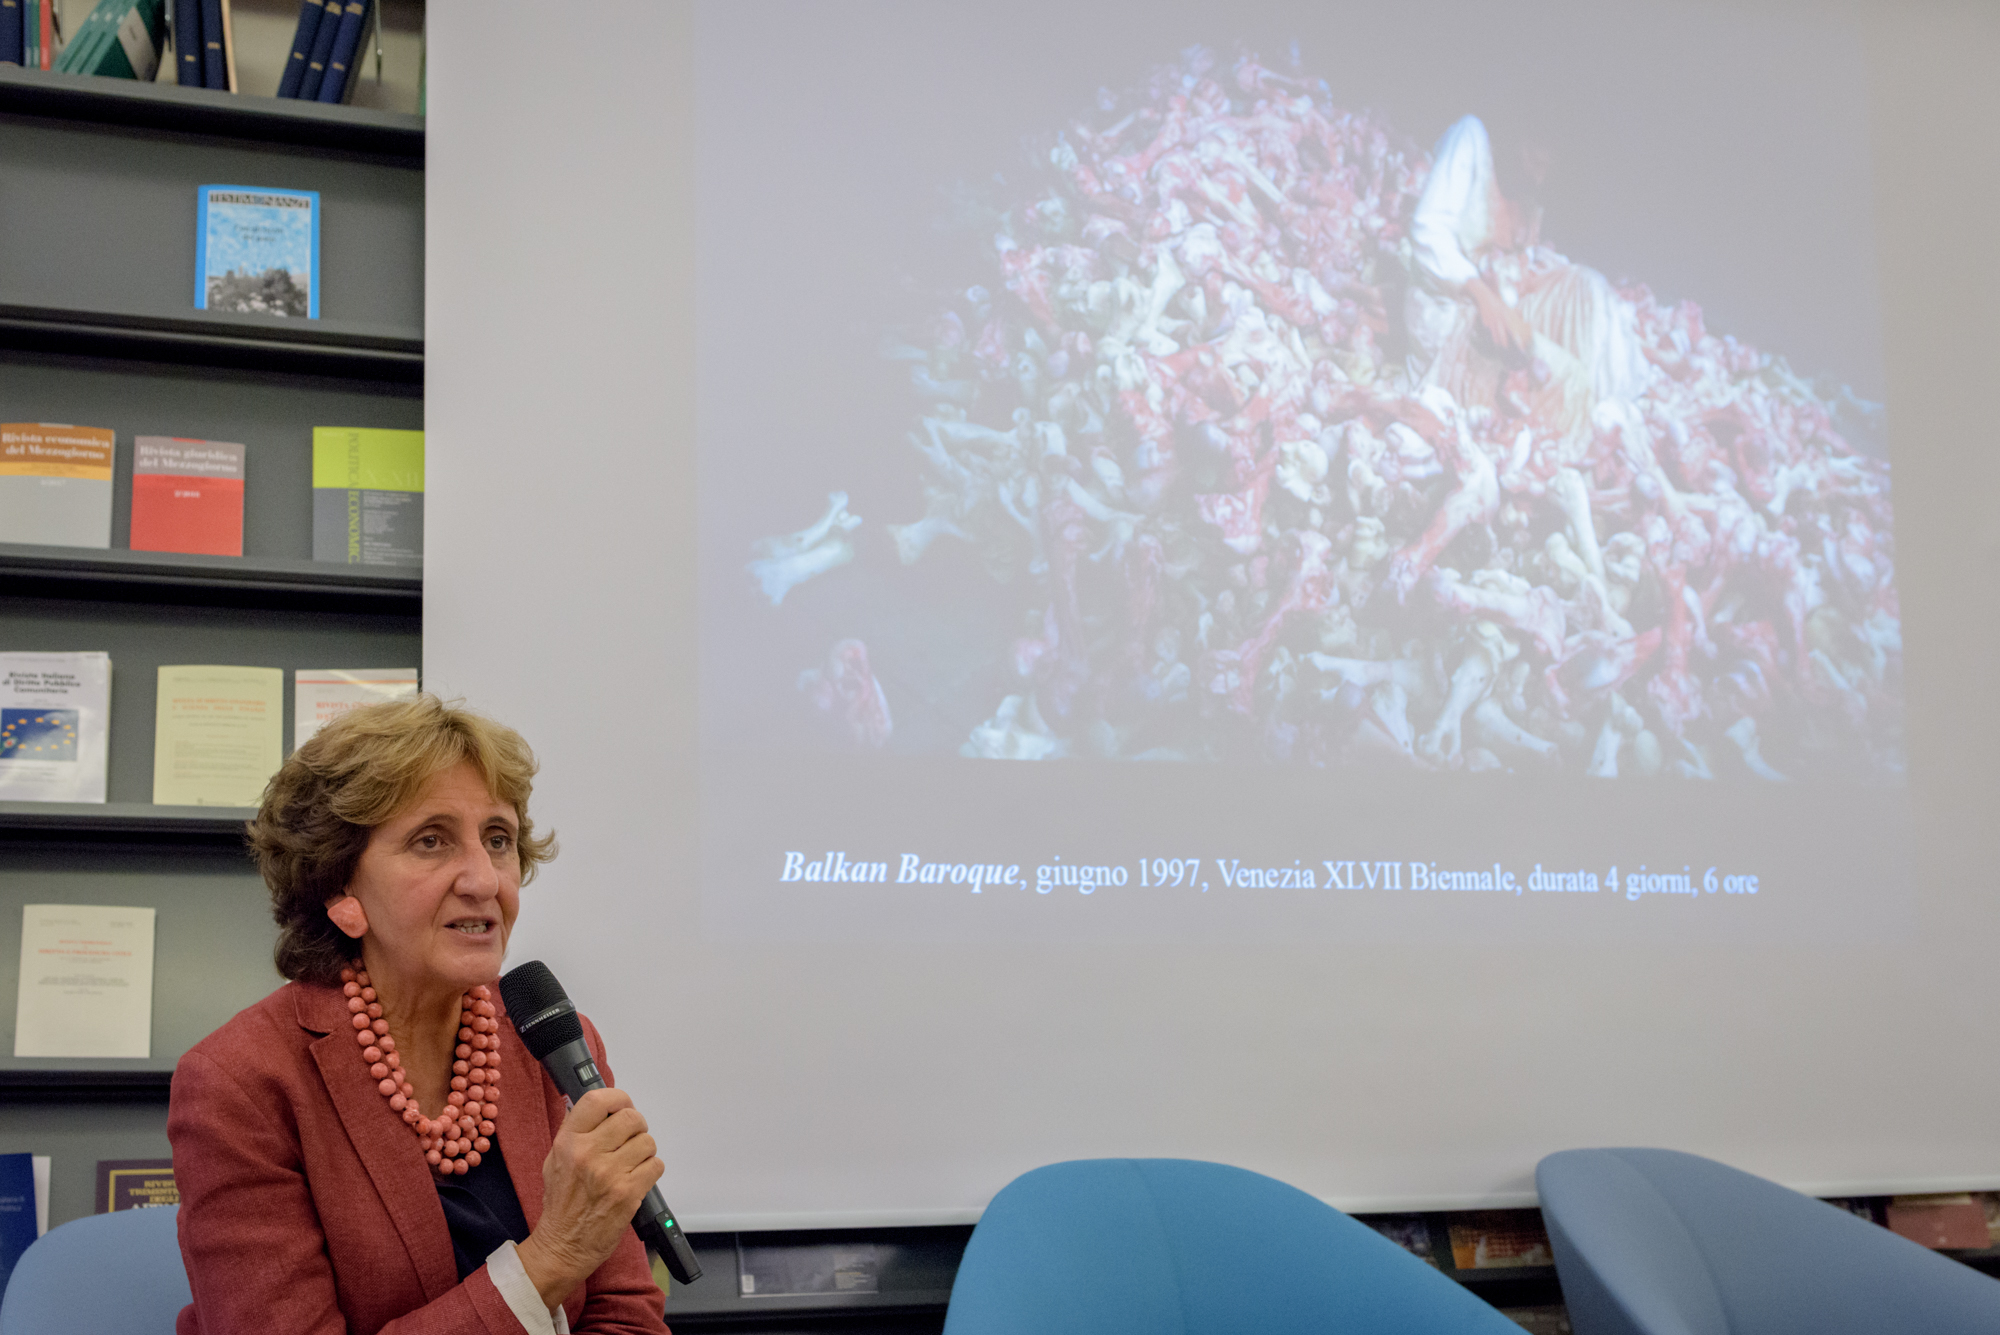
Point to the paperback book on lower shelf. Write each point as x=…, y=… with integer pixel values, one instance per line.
x=86, y=984
x=55, y=484
x=55, y=726
x=218, y=734
x=135, y=1184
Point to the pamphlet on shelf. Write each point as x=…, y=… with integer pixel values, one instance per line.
x=218, y=734
x=86, y=985
x=187, y=496
x=55, y=484
x=257, y=251
x=320, y=695
x=135, y=1184
x=368, y=496
x=55, y=726
x=24, y=1207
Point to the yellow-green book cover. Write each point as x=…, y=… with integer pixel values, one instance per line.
x=368, y=496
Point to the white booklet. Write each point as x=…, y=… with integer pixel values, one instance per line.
x=218, y=734
x=86, y=982
x=55, y=726
x=323, y=694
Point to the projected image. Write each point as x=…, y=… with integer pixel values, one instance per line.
x=1276, y=437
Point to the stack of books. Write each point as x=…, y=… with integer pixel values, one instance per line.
x=204, y=44
x=30, y=33
x=326, y=48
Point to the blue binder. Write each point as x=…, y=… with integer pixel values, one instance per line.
x=188, y=64
x=214, y=64
x=302, y=46
x=340, y=68
x=12, y=33
x=322, y=51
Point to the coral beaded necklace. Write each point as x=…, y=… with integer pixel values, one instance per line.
x=453, y=1140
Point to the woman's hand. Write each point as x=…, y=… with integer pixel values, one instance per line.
x=599, y=1169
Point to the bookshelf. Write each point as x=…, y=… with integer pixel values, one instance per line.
x=97, y=327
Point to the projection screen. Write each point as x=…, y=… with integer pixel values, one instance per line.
x=1365, y=593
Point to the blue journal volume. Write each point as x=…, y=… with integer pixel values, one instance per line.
x=322, y=51
x=187, y=43
x=17, y=1210
x=12, y=33
x=340, y=69
x=302, y=46
x=214, y=64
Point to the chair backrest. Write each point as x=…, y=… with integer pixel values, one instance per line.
x=1656, y=1242
x=1179, y=1247
x=108, y=1272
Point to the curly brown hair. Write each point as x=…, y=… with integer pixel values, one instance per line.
x=352, y=775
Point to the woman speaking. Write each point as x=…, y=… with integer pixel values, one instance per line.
x=371, y=1148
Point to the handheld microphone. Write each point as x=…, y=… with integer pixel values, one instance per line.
x=548, y=1023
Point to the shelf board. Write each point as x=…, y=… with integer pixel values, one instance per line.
x=84, y=1086
x=164, y=106
x=230, y=581
x=122, y=822
x=202, y=338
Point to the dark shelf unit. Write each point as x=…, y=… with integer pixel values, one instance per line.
x=173, y=109
x=98, y=326
x=122, y=822
x=218, y=581
x=218, y=340
x=84, y=1086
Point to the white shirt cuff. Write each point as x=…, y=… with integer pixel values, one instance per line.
x=509, y=1276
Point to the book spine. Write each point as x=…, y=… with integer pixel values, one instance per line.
x=228, y=46
x=10, y=32
x=46, y=43
x=322, y=51
x=353, y=18
x=214, y=69
x=31, y=19
x=187, y=43
x=302, y=44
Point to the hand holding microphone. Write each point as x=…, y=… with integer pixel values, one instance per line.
x=602, y=1165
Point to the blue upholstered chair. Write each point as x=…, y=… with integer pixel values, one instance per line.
x=1654, y=1242
x=1176, y=1247
x=107, y=1272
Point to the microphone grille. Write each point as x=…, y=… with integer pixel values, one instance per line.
x=530, y=992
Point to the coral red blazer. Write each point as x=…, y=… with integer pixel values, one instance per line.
x=306, y=1205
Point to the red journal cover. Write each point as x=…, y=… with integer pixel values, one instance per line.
x=187, y=496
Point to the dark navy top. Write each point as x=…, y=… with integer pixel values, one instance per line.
x=483, y=1211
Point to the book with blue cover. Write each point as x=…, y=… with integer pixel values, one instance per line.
x=24, y=1208
x=310, y=12
x=257, y=251
x=337, y=84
